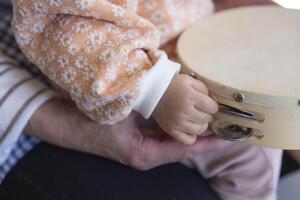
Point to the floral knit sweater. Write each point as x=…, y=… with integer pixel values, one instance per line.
x=104, y=53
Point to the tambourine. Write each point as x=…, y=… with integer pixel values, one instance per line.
x=250, y=60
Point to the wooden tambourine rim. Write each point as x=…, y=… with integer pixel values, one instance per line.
x=226, y=91
x=219, y=89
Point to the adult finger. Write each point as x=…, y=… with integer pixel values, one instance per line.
x=162, y=152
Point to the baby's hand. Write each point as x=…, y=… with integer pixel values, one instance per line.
x=185, y=110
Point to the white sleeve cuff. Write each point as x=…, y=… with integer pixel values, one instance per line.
x=20, y=96
x=154, y=85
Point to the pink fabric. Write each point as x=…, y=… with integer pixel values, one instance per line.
x=241, y=171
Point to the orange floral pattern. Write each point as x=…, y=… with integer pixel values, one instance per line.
x=99, y=50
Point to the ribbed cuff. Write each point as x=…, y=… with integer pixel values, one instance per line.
x=154, y=85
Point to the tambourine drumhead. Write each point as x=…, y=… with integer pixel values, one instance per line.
x=255, y=49
x=250, y=60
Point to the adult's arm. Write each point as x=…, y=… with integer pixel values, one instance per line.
x=133, y=142
x=20, y=96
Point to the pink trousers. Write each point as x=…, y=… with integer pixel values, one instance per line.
x=241, y=171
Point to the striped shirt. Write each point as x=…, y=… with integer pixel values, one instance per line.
x=22, y=91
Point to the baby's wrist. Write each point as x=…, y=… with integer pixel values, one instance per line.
x=155, y=84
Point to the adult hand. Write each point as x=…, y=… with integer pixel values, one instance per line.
x=133, y=142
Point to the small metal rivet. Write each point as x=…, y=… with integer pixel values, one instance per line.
x=194, y=75
x=239, y=97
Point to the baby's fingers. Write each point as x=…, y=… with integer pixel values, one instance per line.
x=182, y=137
x=199, y=86
x=199, y=117
x=206, y=104
x=195, y=128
